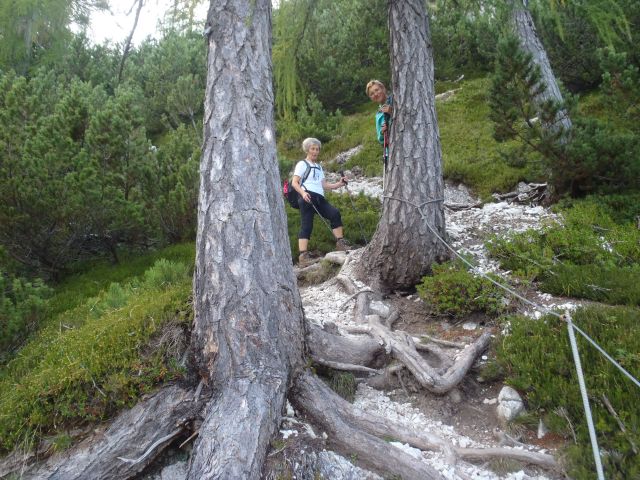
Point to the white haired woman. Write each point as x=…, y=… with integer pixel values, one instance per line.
x=311, y=199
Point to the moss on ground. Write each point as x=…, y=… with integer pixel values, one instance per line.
x=95, y=357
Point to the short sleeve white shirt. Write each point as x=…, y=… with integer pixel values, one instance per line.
x=313, y=183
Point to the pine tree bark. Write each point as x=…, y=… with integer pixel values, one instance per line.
x=404, y=245
x=248, y=331
x=525, y=30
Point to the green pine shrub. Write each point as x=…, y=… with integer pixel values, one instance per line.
x=310, y=120
x=621, y=86
x=536, y=359
x=22, y=308
x=571, y=42
x=452, y=290
x=600, y=158
x=612, y=285
x=594, y=155
x=176, y=183
x=622, y=208
x=464, y=40
x=587, y=256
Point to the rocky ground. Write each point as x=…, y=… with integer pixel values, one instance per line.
x=468, y=416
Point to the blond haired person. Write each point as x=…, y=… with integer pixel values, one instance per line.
x=377, y=92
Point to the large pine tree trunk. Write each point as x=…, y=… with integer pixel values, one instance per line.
x=525, y=30
x=404, y=247
x=248, y=331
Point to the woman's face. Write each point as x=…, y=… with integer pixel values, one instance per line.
x=377, y=93
x=313, y=152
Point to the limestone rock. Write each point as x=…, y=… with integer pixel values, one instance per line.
x=510, y=404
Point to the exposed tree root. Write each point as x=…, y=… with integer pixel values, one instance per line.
x=439, y=341
x=326, y=346
x=526, y=456
x=367, y=435
x=462, y=206
x=334, y=415
x=130, y=443
x=438, y=373
x=439, y=379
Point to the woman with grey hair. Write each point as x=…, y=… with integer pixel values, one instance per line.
x=308, y=180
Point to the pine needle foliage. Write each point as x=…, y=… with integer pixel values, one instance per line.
x=290, y=22
x=594, y=156
x=536, y=358
x=39, y=28
x=515, y=112
x=22, y=308
x=608, y=17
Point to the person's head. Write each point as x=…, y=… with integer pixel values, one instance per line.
x=376, y=91
x=310, y=142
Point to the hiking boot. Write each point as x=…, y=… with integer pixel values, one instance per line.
x=343, y=245
x=305, y=259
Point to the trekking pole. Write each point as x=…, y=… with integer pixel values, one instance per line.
x=322, y=218
x=353, y=206
x=385, y=156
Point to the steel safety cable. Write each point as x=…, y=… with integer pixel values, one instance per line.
x=537, y=307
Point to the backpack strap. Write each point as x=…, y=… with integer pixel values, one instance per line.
x=306, y=173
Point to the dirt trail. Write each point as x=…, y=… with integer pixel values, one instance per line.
x=467, y=416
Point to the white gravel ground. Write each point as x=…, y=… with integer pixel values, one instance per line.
x=467, y=230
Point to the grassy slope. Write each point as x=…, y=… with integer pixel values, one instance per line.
x=91, y=355
x=470, y=154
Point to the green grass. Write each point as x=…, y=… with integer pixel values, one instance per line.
x=99, y=355
x=470, y=153
x=94, y=276
x=343, y=383
x=599, y=106
x=354, y=130
x=537, y=361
